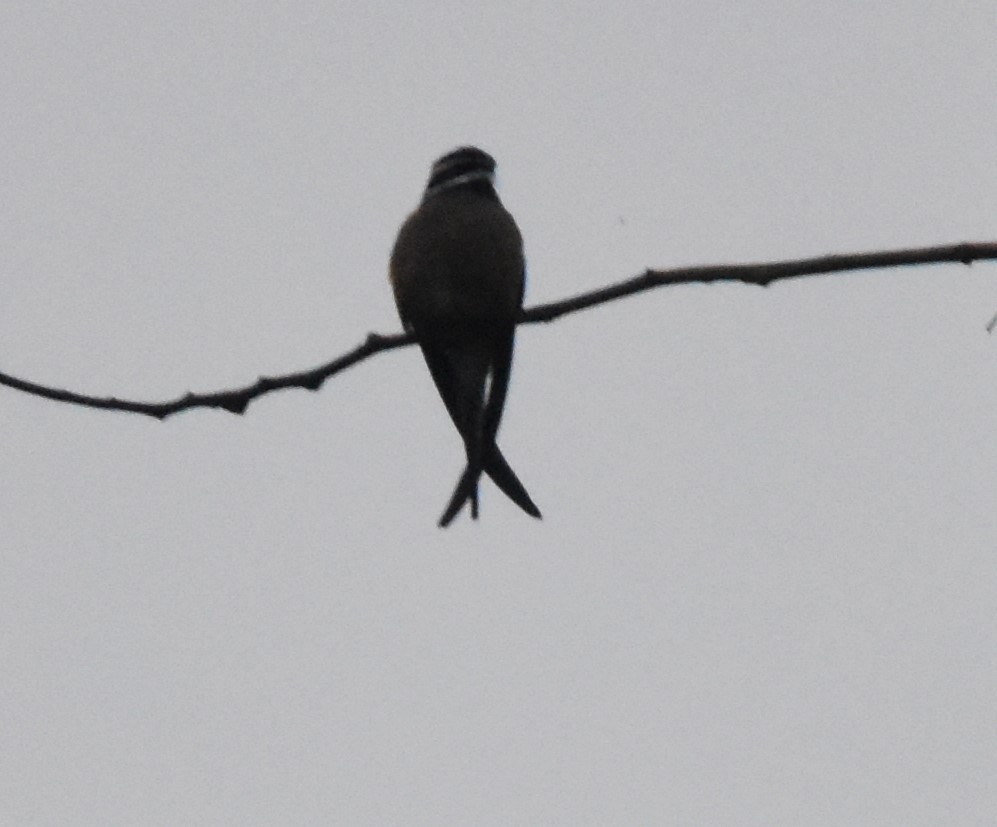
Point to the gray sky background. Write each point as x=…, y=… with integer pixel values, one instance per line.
x=764, y=589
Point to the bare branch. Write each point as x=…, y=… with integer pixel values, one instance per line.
x=237, y=400
x=763, y=275
x=234, y=401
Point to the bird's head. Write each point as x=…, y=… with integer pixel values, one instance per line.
x=465, y=166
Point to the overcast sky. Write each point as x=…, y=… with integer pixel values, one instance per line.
x=764, y=589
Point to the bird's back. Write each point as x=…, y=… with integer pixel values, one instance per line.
x=458, y=259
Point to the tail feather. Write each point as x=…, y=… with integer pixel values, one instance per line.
x=505, y=478
x=466, y=488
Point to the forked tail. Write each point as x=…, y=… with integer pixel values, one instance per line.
x=493, y=464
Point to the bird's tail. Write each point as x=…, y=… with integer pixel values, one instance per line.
x=494, y=464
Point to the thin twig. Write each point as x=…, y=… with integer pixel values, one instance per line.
x=764, y=274
x=234, y=401
x=237, y=400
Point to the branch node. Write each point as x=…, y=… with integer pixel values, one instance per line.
x=235, y=405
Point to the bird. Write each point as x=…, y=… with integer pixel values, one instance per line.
x=458, y=274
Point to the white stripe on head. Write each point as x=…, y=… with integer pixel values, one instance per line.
x=460, y=180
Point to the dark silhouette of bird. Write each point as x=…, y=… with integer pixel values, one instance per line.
x=458, y=275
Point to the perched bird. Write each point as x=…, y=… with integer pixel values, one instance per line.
x=458, y=275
